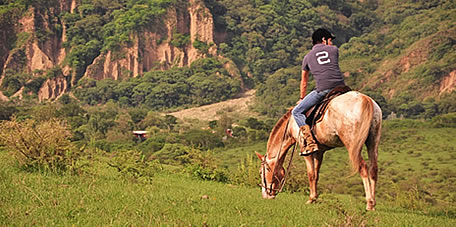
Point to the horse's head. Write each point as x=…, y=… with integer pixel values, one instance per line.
x=271, y=176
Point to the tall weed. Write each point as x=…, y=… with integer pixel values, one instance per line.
x=412, y=197
x=37, y=145
x=246, y=172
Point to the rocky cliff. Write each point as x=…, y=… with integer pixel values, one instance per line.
x=38, y=45
x=153, y=50
x=41, y=47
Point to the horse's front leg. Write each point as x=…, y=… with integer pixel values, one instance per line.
x=313, y=163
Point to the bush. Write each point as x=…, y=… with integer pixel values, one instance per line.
x=199, y=164
x=200, y=139
x=208, y=173
x=6, y=111
x=39, y=145
x=445, y=121
x=246, y=172
x=133, y=166
x=203, y=167
x=174, y=154
x=180, y=40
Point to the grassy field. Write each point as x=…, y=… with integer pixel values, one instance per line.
x=410, y=155
x=416, y=188
x=34, y=199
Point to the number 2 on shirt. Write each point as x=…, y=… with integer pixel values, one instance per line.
x=323, y=57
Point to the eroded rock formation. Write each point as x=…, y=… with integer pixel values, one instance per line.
x=150, y=49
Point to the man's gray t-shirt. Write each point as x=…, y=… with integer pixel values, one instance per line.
x=322, y=62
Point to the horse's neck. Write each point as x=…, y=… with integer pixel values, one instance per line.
x=280, y=138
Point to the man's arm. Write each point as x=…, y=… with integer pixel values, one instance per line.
x=304, y=78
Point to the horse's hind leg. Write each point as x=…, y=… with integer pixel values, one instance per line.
x=354, y=147
x=372, y=150
x=369, y=186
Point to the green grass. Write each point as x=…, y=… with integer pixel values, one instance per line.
x=416, y=188
x=34, y=199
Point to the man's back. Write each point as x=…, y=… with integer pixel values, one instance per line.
x=322, y=62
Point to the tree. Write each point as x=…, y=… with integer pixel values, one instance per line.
x=6, y=111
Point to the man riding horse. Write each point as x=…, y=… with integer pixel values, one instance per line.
x=323, y=62
x=351, y=119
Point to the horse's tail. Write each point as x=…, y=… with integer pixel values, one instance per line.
x=367, y=112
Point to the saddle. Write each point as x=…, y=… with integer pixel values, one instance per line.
x=314, y=114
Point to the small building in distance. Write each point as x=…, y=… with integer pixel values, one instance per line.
x=141, y=135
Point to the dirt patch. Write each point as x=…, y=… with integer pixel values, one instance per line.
x=3, y=97
x=209, y=112
x=448, y=84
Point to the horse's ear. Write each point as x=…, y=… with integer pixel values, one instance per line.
x=261, y=157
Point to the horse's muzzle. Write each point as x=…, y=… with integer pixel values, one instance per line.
x=267, y=196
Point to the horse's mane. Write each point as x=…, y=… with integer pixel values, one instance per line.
x=279, y=123
x=278, y=126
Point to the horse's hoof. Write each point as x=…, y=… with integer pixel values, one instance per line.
x=310, y=201
x=370, y=205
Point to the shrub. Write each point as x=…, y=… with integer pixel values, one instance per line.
x=199, y=164
x=445, y=121
x=239, y=131
x=201, y=46
x=200, y=139
x=133, y=166
x=203, y=166
x=88, y=161
x=180, y=40
x=246, y=172
x=152, y=144
x=39, y=145
x=173, y=154
x=208, y=173
x=6, y=111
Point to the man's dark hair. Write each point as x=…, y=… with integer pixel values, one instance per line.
x=321, y=33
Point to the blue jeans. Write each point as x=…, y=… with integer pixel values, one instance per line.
x=310, y=100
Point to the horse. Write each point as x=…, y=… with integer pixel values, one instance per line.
x=351, y=120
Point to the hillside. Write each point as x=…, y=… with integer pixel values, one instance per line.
x=404, y=57
x=409, y=57
x=48, y=46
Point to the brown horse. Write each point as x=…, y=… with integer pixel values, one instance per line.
x=351, y=120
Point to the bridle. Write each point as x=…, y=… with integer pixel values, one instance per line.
x=272, y=191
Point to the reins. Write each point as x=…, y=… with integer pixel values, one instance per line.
x=287, y=170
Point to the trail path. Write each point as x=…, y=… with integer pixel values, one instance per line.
x=209, y=112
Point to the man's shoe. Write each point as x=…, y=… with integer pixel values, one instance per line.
x=308, y=144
